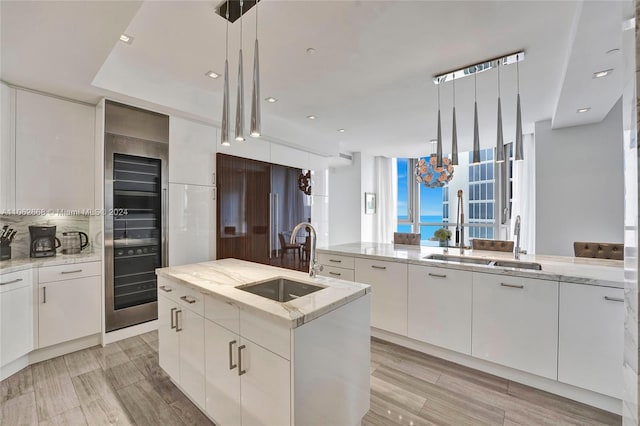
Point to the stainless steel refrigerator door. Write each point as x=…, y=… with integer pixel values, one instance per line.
x=114, y=143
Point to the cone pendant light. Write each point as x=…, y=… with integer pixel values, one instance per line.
x=454, y=132
x=240, y=100
x=255, y=129
x=439, y=146
x=226, y=125
x=519, y=148
x=499, y=138
x=476, y=135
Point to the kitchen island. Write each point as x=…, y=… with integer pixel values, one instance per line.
x=244, y=358
x=559, y=328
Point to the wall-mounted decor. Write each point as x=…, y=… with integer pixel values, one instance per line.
x=304, y=182
x=369, y=203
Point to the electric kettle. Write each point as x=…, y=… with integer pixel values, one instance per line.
x=72, y=242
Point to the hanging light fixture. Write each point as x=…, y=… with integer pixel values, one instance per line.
x=226, y=125
x=240, y=100
x=519, y=147
x=439, y=146
x=476, y=135
x=499, y=138
x=454, y=132
x=255, y=97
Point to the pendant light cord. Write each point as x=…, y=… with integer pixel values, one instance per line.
x=498, y=79
x=226, y=55
x=256, y=19
x=454, y=92
x=241, y=4
x=439, y=97
x=475, y=85
x=518, y=74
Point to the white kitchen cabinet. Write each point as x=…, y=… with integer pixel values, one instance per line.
x=192, y=224
x=54, y=153
x=440, y=302
x=190, y=327
x=339, y=273
x=16, y=316
x=591, y=338
x=266, y=386
x=388, y=282
x=168, y=339
x=222, y=379
x=7, y=147
x=68, y=310
x=515, y=323
x=192, y=152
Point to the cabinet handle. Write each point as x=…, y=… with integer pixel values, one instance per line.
x=44, y=294
x=179, y=311
x=75, y=271
x=378, y=267
x=213, y=179
x=613, y=299
x=240, y=370
x=173, y=324
x=188, y=300
x=437, y=275
x=512, y=285
x=166, y=289
x=231, y=364
x=17, y=280
x=335, y=260
x=337, y=274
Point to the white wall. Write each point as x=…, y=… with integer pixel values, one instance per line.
x=579, y=184
x=368, y=223
x=344, y=203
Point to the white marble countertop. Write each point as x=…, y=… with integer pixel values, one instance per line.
x=603, y=272
x=221, y=277
x=20, y=264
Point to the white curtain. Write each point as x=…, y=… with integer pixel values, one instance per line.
x=524, y=195
x=386, y=172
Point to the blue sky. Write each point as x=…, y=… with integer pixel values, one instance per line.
x=430, y=198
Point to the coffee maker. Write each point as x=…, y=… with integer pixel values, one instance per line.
x=43, y=241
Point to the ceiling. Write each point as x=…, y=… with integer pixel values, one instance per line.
x=371, y=73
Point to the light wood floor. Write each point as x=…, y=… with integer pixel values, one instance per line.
x=123, y=384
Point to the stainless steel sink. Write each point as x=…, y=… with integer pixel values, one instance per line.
x=281, y=289
x=518, y=264
x=501, y=263
x=459, y=259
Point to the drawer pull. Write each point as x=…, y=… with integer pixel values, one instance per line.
x=173, y=324
x=337, y=274
x=512, y=285
x=335, y=260
x=17, y=280
x=240, y=370
x=613, y=299
x=166, y=289
x=44, y=294
x=231, y=364
x=378, y=267
x=75, y=271
x=178, y=328
x=437, y=275
x=188, y=299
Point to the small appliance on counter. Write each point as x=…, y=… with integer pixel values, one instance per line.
x=7, y=236
x=43, y=241
x=72, y=242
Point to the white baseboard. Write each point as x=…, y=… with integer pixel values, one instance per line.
x=125, y=333
x=604, y=402
x=13, y=367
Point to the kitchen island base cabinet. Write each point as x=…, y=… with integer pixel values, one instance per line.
x=591, y=338
x=388, y=282
x=440, y=307
x=515, y=323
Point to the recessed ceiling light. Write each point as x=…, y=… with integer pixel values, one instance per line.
x=602, y=73
x=271, y=100
x=341, y=130
x=581, y=110
x=311, y=117
x=126, y=38
x=311, y=50
x=212, y=74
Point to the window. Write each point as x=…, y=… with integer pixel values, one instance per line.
x=438, y=207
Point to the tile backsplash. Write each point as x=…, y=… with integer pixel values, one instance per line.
x=20, y=246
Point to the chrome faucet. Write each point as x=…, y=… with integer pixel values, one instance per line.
x=314, y=267
x=460, y=223
x=516, y=231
